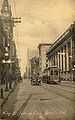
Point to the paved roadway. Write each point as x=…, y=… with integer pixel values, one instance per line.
x=45, y=102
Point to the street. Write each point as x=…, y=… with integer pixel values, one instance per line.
x=45, y=102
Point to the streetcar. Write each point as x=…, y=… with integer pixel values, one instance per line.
x=50, y=75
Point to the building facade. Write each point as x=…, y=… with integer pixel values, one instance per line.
x=43, y=48
x=62, y=55
x=31, y=53
x=34, y=67
x=1, y=51
x=8, y=61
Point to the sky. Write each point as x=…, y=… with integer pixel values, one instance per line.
x=41, y=21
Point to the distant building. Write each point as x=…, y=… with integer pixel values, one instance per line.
x=34, y=66
x=62, y=55
x=43, y=48
x=30, y=54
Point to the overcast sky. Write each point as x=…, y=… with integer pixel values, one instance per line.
x=42, y=21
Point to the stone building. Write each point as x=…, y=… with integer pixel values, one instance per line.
x=34, y=67
x=62, y=55
x=43, y=48
x=1, y=50
x=8, y=61
x=31, y=53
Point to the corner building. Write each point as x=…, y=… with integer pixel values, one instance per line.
x=62, y=54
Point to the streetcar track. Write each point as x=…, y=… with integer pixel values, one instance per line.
x=23, y=106
x=70, y=91
x=57, y=93
x=68, y=86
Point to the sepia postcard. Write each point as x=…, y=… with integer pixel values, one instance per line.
x=37, y=60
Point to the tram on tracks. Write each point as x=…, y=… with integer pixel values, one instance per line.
x=51, y=75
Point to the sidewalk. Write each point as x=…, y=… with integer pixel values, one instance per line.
x=23, y=94
x=6, y=94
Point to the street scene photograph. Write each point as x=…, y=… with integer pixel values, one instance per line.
x=37, y=60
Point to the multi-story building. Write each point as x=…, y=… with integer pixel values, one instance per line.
x=34, y=66
x=1, y=50
x=61, y=55
x=43, y=48
x=9, y=49
x=30, y=54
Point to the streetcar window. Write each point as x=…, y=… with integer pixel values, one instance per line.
x=51, y=72
x=56, y=72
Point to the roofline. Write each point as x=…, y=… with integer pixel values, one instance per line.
x=60, y=38
x=43, y=44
